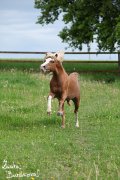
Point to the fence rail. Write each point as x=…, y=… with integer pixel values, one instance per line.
x=43, y=52
x=75, y=61
x=67, y=61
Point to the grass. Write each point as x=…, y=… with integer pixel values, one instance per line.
x=70, y=67
x=36, y=142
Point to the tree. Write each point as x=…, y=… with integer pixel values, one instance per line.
x=85, y=21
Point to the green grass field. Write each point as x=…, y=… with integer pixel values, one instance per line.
x=70, y=67
x=32, y=142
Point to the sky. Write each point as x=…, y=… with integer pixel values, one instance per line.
x=19, y=32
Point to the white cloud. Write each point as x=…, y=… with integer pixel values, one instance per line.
x=16, y=27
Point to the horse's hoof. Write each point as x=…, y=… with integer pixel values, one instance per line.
x=60, y=113
x=49, y=113
x=63, y=126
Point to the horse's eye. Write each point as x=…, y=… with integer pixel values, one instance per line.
x=52, y=61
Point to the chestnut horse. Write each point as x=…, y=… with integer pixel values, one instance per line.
x=64, y=87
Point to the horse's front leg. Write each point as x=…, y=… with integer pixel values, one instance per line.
x=49, y=100
x=61, y=105
x=61, y=112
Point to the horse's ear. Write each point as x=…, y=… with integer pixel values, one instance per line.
x=59, y=55
x=49, y=54
x=56, y=55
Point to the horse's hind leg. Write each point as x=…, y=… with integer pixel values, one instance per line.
x=76, y=103
x=63, y=117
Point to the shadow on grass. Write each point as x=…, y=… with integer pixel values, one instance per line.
x=19, y=123
x=107, y=78
x=51, y=121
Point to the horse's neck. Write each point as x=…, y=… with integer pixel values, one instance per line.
x=60, y=74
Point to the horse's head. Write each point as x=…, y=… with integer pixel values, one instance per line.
x=51, y=62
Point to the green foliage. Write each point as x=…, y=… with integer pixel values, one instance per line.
x=86, y=21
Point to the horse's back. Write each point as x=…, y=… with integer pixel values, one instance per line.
x=73, y=86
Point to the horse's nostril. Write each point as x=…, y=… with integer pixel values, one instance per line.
x=42, y=67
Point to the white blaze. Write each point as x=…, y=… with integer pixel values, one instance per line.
x=46, y=62
x=42, y=67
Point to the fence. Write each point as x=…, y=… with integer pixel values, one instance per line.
x=82, y=62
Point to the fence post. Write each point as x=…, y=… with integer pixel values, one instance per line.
x=119, y=61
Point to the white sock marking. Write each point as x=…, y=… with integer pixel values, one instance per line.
x=49, y=104
x=76, y=119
